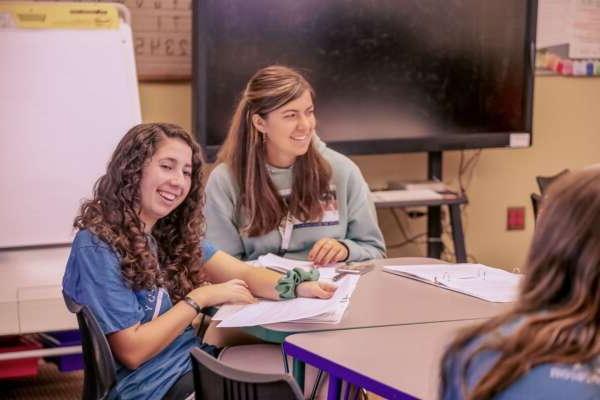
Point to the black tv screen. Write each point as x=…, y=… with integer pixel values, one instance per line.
x=390, y=75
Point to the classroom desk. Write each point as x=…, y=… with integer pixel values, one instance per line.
x=384, y=299
x=395, y=362
x=31, y=295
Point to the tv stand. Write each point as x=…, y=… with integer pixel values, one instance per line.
x=435, y=246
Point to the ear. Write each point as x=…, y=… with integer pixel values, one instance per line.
x=259, y=123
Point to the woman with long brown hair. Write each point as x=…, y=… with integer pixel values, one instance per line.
x=548, y=346
x=278, y=189
x=140, y=264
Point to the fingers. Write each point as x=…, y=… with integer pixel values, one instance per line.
x=242, y=295
x=323, y=290
x=323, y=254
x=322, y=294
x=316, y=289
x=238, y=282
x=328, y=287
x=321, y=248
x=237, y=292
x=326, y=250
x=315, y=249
x=331, y=256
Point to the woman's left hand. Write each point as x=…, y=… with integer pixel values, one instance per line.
x=312, y=289
x=327, y=251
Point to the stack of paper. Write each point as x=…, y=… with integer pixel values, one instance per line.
x=294, y=310
x=477, y=280
x=281, y=264
x=405, y=195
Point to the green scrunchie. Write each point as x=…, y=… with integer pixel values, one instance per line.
x=286, y=285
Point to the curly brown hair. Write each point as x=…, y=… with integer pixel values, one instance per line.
x=113, y=215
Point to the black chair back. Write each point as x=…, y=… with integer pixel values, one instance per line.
x=536, y=199
x=99, y=365
x=545, y=181
x=214, y=380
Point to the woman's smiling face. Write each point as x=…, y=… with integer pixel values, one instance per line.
x=289, y=130
x=166, y=181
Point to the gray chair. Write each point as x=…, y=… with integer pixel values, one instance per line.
x=268, y=358
x=214, y=380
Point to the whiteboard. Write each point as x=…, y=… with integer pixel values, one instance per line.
x=66, y=98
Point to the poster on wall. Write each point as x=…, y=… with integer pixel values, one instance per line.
x=568, y=37
x=162, y=32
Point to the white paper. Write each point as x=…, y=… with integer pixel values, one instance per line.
x=282, y=264
x=478, y=280
x=325, y=274
x=270, y=312
x=405, y=195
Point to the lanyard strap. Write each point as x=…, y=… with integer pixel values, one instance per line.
x=285, y=230
x=158, y=305
x=160, y=291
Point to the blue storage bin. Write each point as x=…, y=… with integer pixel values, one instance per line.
x=69, y=362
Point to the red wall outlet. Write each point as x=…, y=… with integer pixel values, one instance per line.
x=515, y=218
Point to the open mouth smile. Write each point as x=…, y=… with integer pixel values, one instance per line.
x=170, y=197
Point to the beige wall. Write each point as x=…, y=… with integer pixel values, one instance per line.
x=167, y=102
x=566, y=134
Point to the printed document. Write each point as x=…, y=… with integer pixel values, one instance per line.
x=477, y=280
x=294, y=310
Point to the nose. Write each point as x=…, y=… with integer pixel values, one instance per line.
x=177, y=179
x=304, y=122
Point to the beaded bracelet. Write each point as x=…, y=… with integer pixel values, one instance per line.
x=286, y=286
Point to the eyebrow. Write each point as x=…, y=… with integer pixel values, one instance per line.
x=296, y=110
x=173, y=160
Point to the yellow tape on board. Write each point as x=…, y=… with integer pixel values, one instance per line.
x=58, y=15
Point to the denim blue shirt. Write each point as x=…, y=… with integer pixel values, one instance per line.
x=93, y=277
x=551, y=381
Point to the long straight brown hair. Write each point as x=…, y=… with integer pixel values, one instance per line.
x=244, y=151
x=559, y=295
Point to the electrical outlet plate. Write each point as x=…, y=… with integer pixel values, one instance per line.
x=515, y=218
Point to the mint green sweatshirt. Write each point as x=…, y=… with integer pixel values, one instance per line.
x=349, y=218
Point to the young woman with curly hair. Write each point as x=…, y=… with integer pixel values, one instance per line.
x=279, y=189
x=139, y=262
x=548, y=346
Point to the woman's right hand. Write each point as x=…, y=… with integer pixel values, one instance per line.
x=234, y=291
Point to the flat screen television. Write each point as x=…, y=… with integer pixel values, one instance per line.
x=390, y=75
